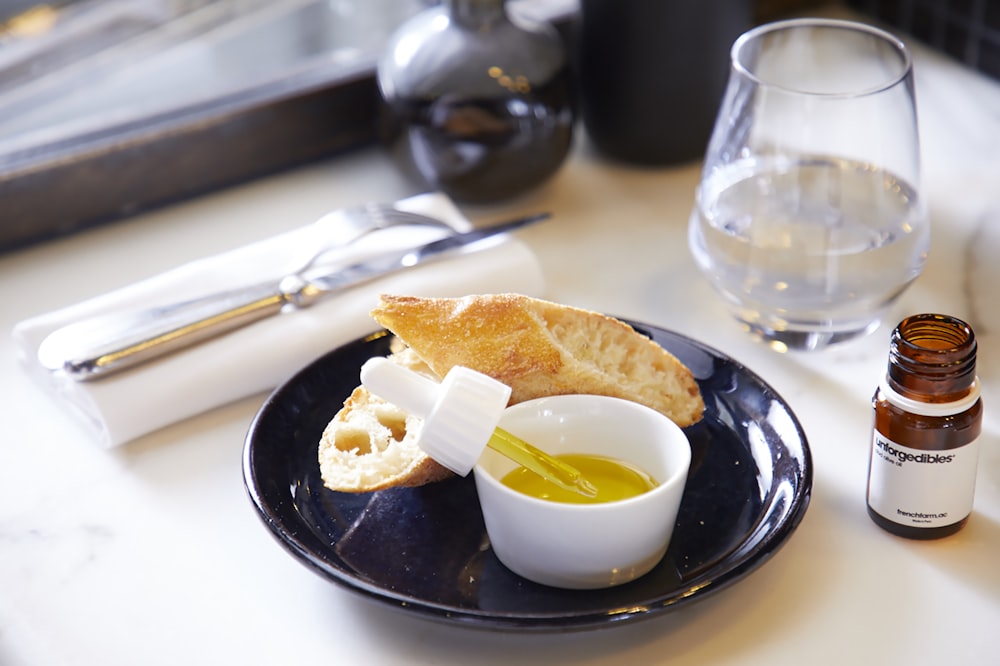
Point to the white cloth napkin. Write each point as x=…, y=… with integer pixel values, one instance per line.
x=121, y=407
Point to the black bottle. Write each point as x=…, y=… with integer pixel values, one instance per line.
x=652, y=74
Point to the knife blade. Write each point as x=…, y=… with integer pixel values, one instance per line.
x=106, y=344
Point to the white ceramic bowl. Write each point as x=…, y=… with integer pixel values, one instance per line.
x=586, y=546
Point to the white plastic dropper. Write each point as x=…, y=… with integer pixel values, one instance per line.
x=460, y=417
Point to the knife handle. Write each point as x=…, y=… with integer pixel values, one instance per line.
x=106, y=344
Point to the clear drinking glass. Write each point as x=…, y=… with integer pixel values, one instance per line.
x=808, y=217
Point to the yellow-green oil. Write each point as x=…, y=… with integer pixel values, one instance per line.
x=614, y=480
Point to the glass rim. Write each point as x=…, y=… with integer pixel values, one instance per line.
x=886, y=37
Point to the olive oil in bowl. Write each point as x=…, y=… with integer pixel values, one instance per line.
x=614, y=479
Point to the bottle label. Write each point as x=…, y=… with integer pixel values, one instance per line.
x=919, y=488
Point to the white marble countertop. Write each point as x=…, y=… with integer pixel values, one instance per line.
x=151, y=553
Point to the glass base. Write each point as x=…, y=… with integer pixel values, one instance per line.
x=806, y=339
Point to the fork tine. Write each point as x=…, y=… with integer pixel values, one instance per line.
x=345, y=226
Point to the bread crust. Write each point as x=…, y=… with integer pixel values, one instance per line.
x=540, y=348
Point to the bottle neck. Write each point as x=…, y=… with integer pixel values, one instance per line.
x=476, y=13
x=932, y=358
x=925, y=408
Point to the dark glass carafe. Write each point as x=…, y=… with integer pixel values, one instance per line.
x=475, y=102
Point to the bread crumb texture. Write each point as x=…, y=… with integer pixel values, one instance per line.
x=371, y=444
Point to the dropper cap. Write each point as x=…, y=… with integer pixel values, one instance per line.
x=460, y=414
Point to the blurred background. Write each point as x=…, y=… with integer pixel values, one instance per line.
x=112, y=107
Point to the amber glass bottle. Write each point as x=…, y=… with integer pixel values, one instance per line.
x=928, y=416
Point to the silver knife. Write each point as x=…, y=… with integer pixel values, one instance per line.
x=106, y=344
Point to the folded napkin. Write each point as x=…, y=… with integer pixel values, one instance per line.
x=121, y=407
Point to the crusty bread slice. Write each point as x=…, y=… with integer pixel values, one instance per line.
x=539, y=348
x=371, y=444
x=536, y=347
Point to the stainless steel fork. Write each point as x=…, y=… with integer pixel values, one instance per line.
x=343, y=227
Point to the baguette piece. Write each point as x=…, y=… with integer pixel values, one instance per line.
x=539, y=348
x=536, y=347
x=371, y=444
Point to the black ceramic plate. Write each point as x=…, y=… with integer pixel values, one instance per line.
x=424, y=550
